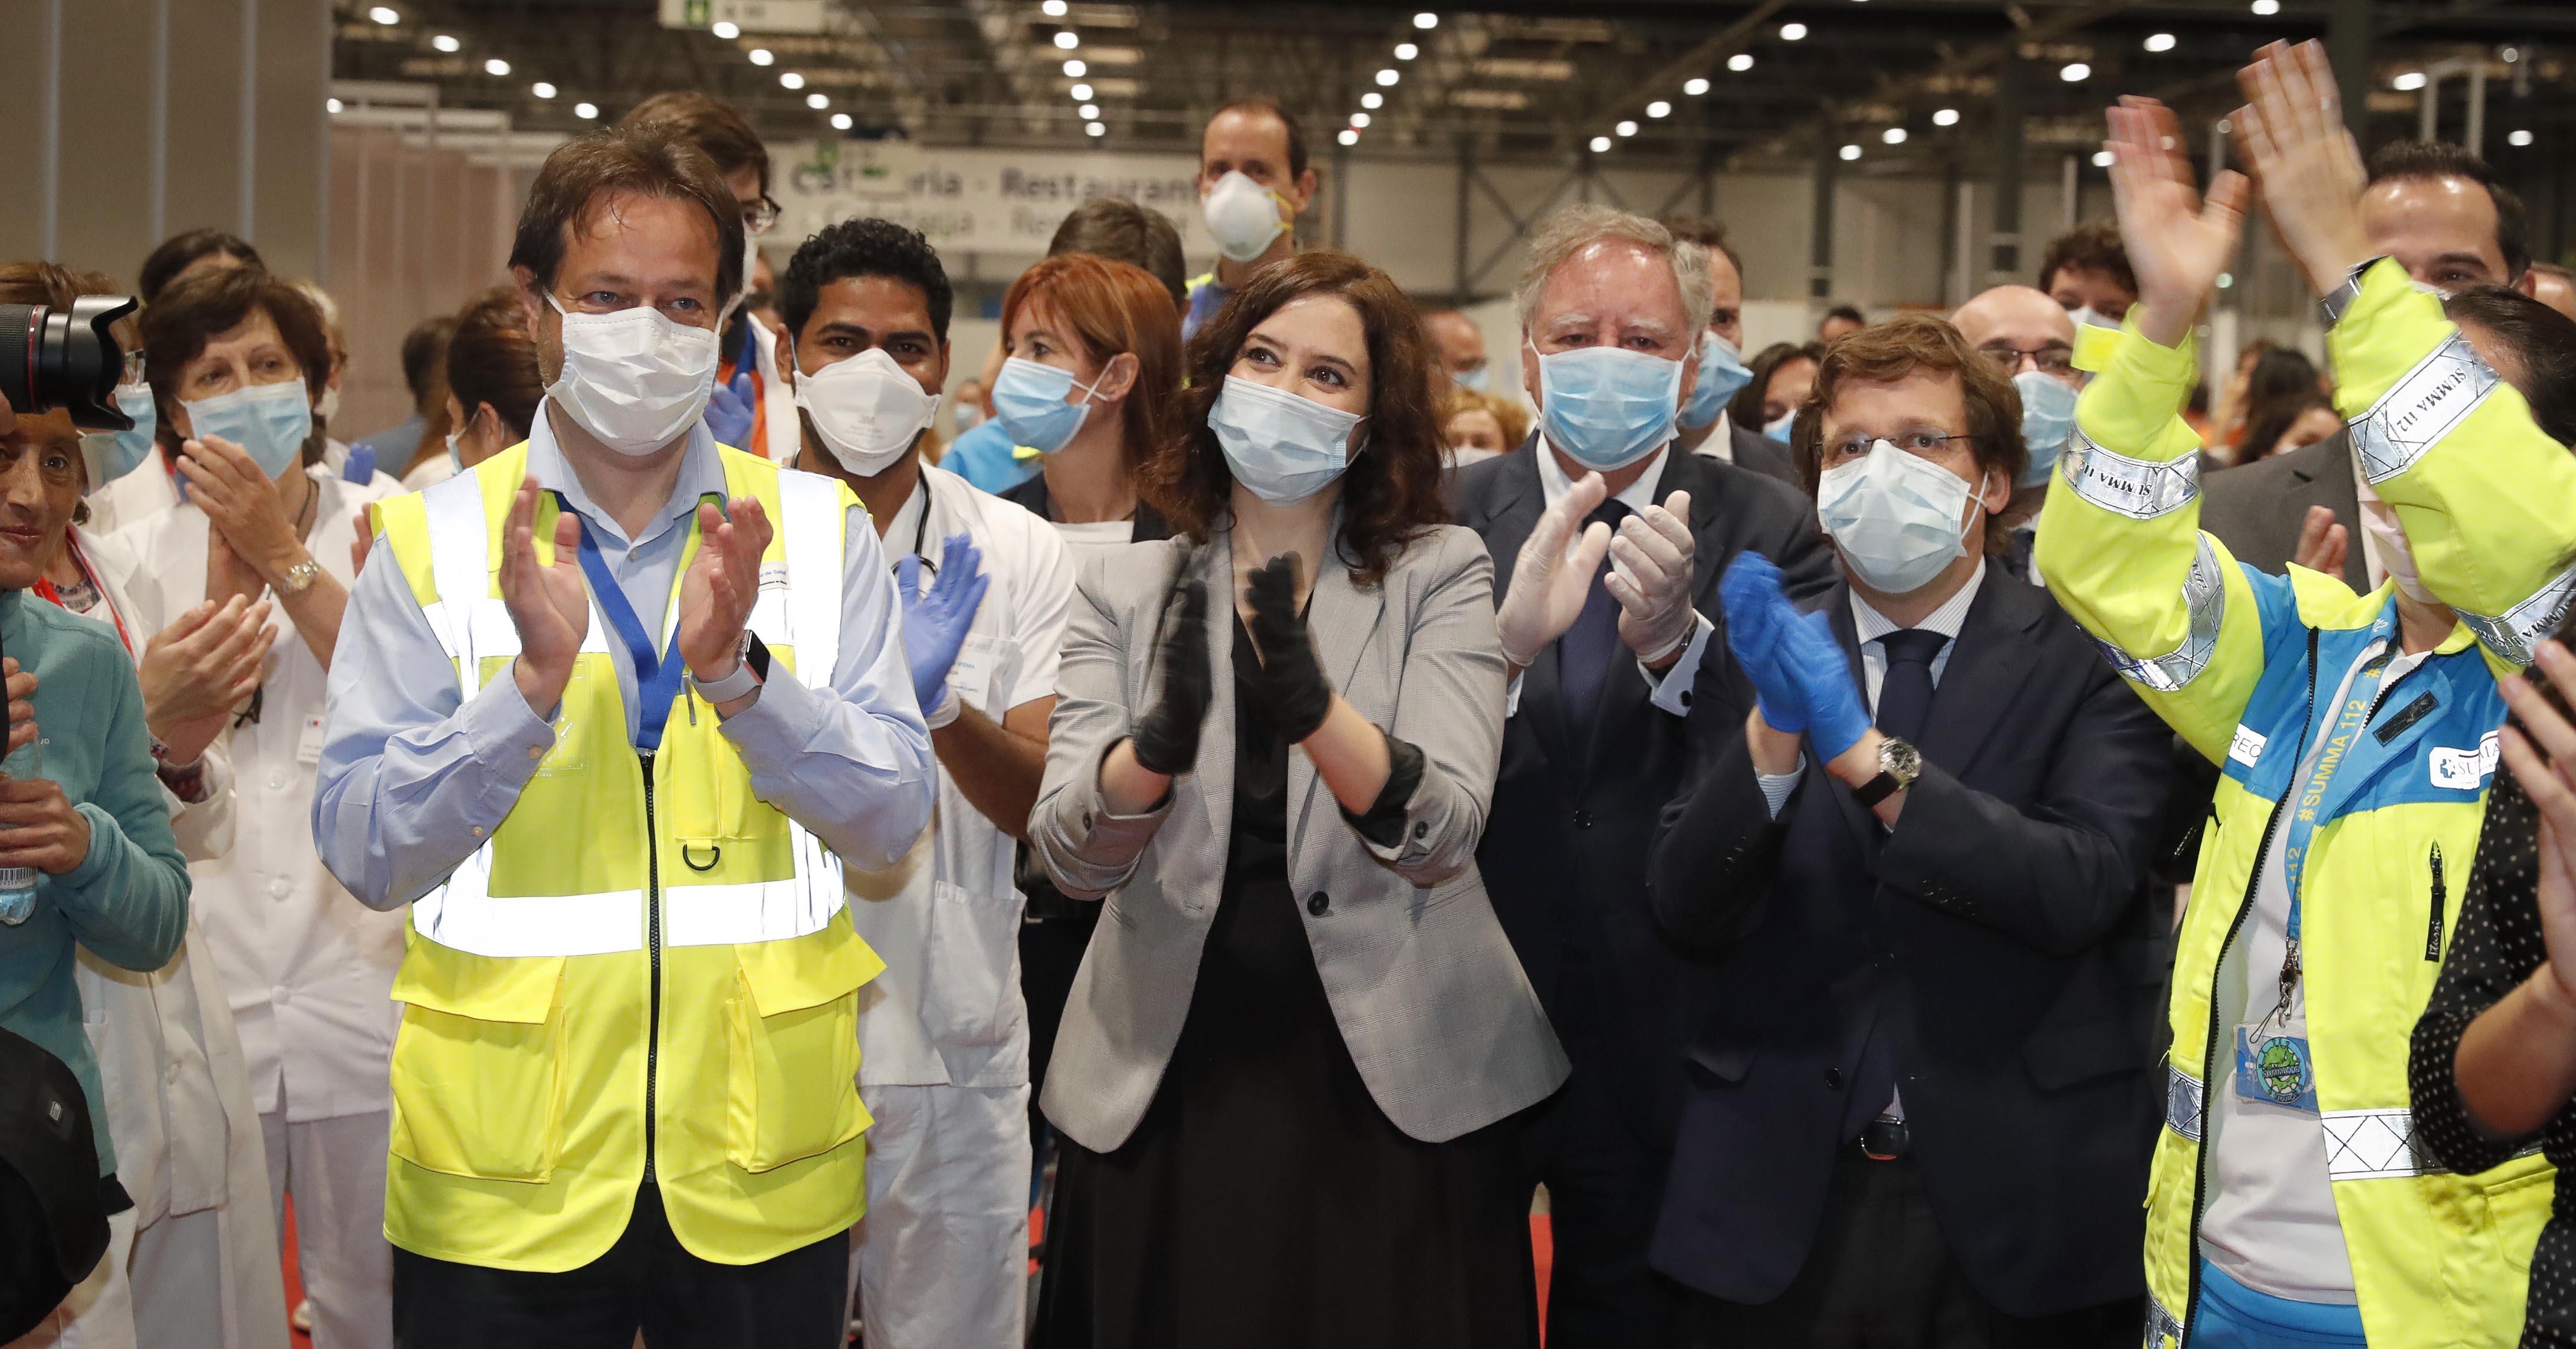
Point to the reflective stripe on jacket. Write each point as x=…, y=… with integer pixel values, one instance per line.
x=645, y=962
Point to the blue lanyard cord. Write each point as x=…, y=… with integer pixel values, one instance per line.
x=657, y=673
x=2331, y=754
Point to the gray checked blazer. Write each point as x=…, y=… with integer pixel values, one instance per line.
x=1440, y=1020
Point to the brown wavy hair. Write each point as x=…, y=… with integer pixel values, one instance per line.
x=1391, y=491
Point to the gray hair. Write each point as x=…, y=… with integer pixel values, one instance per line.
x=1575, y=228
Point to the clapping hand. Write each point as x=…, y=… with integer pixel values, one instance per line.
x=1651, y=578
x=2322, y=542
x=242, y=504
x=1166, y=737
x=721, y=585
x=1836, y=719
x=547, y=601
x=2304, y=161
x=201, y=667
x=1758, y=619
x=2177, y=243
x=2540, y=749
x=1550, y=579
x=730, y=407
x=1291, y=679
x=935, y=622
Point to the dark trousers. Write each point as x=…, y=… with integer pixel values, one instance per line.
x=1604, y=1187
x=1880, y=1277
x=646, y=1282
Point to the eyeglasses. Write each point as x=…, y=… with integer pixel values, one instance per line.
x=2052, y=359
x=761, y=217
x=1925, y=443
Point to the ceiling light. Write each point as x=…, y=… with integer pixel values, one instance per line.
x=1626, y=128
x=726, y=29
x=1851, y=152
x=2101, y=159
x=2160, y=42
x=1360, y=119
x=817, y=102
x=585, y=111
x=1426, y=20
x=1067, y=40
x=1372, y=99
x=332, y=104
x=1601, y=145
x=446, y=43
x=2509, y=55
x=1388, y=77
x=2267, y=8
x=1348, y=137
x=1053, y=9
x=1406, y=51
x=1094, y=129
x=1894, y=135
x=1695, y=86
x=2517, y=138
x=760, y=56
x=1740, y=62
x=384, y=14
x=1946, y=117
x=1081, y=93
x=2075, y=72
x=840, y=121
x=496, y=66
x=1089, y=112
x=1659, y=108
x=2410, y=80
x=1075, y=69
x=542, y=89
x=788, y=79
x=1793, y=32
x=2226, y=279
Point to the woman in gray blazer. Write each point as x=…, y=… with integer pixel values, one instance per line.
x=1289, y=1069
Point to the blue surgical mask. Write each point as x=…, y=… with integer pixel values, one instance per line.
x=1478, y=379
x=1028, y=398
x=1606, y=407
x=1778, y=428
x=269, y=421
x=1898, y=519
x=454, y=455
x=1721, y=373
x=117, y=453
x=1283, y=447
x=2047, y=415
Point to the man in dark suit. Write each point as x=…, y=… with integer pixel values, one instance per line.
x=1720, y=438
x=1920, y=1105
x=1595, y=743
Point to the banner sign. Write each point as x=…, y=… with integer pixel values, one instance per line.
x=969, y=200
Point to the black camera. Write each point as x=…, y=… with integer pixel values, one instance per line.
x=65, y=359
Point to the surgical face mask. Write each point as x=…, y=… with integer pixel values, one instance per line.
x=113, y=454
x=1478, y=379
x=2388, y=540
x=867, y=410
x=327, y=406
x=1606, y=407
x=634, y=379
x=455, y=456
x=2047, y=416
x=1029, y=399
x=1721, y=373
x=1779, y=428
x=269, y=421
x=1243, y=215
x=1897, y=518
x=1282, y=447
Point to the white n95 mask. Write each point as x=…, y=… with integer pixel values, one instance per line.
x=1281, y=446
x=866, y=410
x=635, y=379
x=1898, y=519
x=1243, y=216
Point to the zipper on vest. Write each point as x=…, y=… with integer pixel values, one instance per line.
x=2433, y=932
x=653, y=948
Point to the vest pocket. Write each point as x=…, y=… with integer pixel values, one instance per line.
x=792, y=1029
x=478, y=1064
x=970, y=987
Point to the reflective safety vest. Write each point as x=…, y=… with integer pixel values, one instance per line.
x=645, y=971
x=2245, y=666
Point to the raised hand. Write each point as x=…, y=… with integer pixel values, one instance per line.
x=935, y=623
x=547, y=601
x=1291, y=680
x=1650, y=576
x=1836, y=720
x=731, y=405
x=242, y=504
x=2541, y=752
x=1550, y=579
x=722, y=582
x=2177, y=243
x=2304, y=162
x=1758, y=618
x=1166, y=736
x=2322, y=542
x=201, y=667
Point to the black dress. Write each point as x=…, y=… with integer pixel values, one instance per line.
x=1265, y=1200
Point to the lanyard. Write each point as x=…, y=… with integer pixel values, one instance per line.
x=45, y=590
x=657, y=674
x=2359, y=699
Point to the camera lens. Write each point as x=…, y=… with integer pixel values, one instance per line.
x=65, y=359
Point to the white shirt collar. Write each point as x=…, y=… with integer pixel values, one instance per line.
x=1720, y=444
x=1868, y=624
x=701, y=472
x=1638, y=495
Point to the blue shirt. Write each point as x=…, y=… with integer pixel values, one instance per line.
x=413, y=777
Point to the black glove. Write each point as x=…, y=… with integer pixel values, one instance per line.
x=1166, y=737
x=1291, y=681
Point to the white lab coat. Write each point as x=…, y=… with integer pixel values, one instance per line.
x=308, y=969
x=170, y=1062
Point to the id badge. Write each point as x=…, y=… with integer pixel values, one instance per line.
x=2275, y=1071
x=308, y=741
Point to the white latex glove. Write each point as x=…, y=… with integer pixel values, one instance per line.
x=1553, y=573
x=1650, y=576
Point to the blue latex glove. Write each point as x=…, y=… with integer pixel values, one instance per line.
x=1836, y=720
x=935, y=622
x=1758, y=617
x=729, y=408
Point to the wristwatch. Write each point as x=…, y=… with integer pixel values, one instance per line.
x=2339, y=299
x=743, y=679
x=1899, y=764
x=299, y=578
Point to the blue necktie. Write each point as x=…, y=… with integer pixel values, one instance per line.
x=1588, y=649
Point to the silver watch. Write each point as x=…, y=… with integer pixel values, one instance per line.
x=2340, y=299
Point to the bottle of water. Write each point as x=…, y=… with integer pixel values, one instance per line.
x=18, y=884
